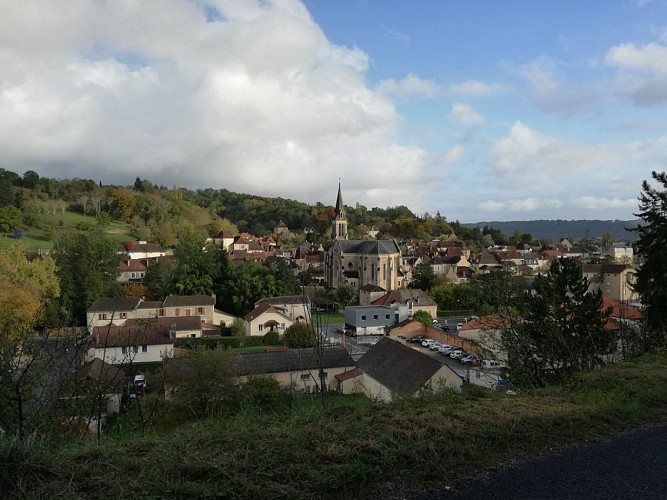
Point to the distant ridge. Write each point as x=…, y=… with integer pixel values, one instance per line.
x=556, y=229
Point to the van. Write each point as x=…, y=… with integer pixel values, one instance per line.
x=491, y=364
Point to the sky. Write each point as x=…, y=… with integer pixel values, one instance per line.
x=479, y=110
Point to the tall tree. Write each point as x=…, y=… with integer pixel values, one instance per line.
x=557, y=330
x=26, y=392
x=651, y=248
x=423, y=277
x=87, y=268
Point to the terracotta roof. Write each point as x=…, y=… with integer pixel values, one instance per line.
x=342, y=377
x=263, y=308
x=132, y=265
x=621, y=311
x=403, y=296
x=119, y=336
x=180, y=323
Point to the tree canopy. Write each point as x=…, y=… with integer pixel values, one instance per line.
x=652, y=248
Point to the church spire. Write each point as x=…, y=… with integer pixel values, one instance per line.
x=339, y=226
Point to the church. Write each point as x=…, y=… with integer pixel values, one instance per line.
x=363, y=264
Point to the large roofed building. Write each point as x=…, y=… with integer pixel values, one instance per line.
x=360, y=262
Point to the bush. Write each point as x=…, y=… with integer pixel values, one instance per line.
x=262, y=391
x=271, y=338
x=214, y=342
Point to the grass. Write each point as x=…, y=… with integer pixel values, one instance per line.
x=359, y=448
x=328, y=318
x=41, y=237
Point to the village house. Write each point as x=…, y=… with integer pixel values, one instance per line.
x=391, y=369
x=413, y=299
x=139, y=343
x=106, y=310
x=297, y=369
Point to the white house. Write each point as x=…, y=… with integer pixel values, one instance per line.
x=266, y=318
x=130, y=344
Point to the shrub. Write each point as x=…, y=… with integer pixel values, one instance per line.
x=271, y=338
x=262, y=391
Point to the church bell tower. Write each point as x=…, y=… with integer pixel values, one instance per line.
x=339, y=225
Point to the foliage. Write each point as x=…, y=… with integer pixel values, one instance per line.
x=202, y=380
x=299, y=335
x=87, y=269
x=423, y=317
x=220, y=342
x=262, y=392
x=558, y=330
x=346, y=294
x=245, y=284
x=423, y=277
x=26, y=390
x=10, y=219
x=238, y=327
x=652, y=248
x=271, y=338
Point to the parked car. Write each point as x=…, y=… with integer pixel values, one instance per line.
x=472, y=359
x=459, y=325
x=443, y=347
x=427, y=342
x=458, y=354
x=434, y=346
x=418, y=338
x=492, y=364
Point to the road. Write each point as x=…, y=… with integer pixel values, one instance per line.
x=631, y=465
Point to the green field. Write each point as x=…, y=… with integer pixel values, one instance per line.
x=49, y=226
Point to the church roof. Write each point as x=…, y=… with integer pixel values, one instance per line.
x=339, y=210
x=369, y=247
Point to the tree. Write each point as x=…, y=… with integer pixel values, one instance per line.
x=652, y=248
x=26, y=391
x=87, y=269
x=423, y=317
x=423, y=277
x=346, y=294
x=10, y=219
x=557, y=330
x=299, y=335
x=202, y=380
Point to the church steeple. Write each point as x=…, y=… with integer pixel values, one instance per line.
x=339, y=226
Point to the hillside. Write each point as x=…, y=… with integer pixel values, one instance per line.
x=556, y=229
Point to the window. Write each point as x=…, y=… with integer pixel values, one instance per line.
x=102, y=316
x=133, y=275
x=386, y=316
x=259, y=327
x=375, y=316
x=193, y=335
x=135, y=349
x=161, y=312
x=305, y=376
x=123, y=315
x=144, y=348
x=282, y=326
x=177, y=312
x=124, y=349
x=200, y=311
x=363, y=318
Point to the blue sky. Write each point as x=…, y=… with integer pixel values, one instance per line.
x=479, y=110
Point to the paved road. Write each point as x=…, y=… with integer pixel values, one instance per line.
x=630, y=466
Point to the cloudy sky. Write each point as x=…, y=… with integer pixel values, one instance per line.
x=481, y=110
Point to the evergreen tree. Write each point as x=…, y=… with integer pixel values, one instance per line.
x=651, y=248
x=557, y=330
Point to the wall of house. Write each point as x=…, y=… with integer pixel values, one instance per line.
x=305, y=380
x=372, y=389
x=116, y=356
x=256, y=326
x=445, y=377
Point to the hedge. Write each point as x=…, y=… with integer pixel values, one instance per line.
x=226, y=342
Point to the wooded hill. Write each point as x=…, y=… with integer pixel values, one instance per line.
x=556, y=229
x=38, y=207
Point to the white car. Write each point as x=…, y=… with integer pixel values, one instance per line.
x=457, y=354
x=444, y=347
x=427, y=342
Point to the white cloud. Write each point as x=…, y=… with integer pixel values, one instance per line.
x=259, y=101
x=462, y=114
x=476, y=88
x=643, y=71
x=491, y=206
x=550, y=92
x=453, y=155
x=410, y=86
x=602, y=203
